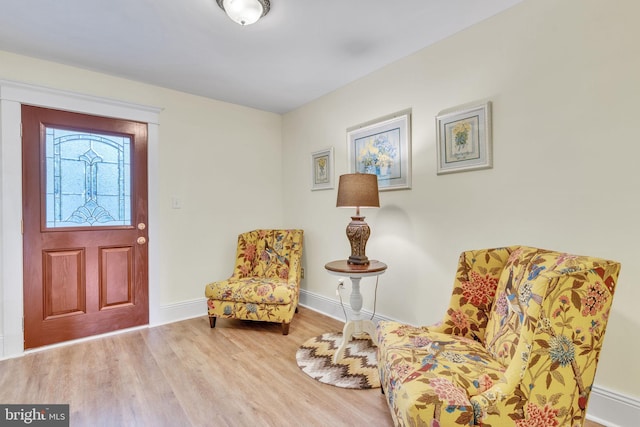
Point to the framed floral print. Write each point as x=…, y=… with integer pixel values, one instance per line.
x=464, y=139
x=322, y=169
x=383, y=147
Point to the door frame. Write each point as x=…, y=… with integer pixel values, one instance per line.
x=12, y=96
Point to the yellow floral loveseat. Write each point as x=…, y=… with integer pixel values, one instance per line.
x=265, y=284
x=518, y=346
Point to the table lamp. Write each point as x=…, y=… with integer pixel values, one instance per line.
x=358, y=190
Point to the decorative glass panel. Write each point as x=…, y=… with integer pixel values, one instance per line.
x=88, y=179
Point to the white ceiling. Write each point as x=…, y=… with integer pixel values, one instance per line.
x=300, y=51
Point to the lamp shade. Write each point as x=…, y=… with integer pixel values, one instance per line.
x=358, y=190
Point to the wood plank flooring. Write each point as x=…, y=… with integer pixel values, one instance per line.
x=187, y=374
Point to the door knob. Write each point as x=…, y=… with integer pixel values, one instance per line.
x=141, y=240
x=142, y=226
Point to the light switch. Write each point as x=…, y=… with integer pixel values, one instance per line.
x=176, y=203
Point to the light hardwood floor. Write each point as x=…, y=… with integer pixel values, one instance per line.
x=186, y=374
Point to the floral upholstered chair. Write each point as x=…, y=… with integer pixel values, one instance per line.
x=518, y=346
x=265, y=284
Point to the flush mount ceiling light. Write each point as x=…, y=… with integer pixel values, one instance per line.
x=245, y=12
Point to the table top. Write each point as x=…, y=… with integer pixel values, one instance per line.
x=343, y=267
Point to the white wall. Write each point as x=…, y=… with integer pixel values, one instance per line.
x=564, y=80
x=222, y=161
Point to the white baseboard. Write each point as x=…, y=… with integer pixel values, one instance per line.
x=612, y=409
x=180, y=311
x=333, y=308
x=198, y=307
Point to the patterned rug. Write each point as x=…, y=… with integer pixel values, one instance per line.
x=358, y=369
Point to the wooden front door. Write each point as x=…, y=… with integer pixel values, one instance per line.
x=84, y=225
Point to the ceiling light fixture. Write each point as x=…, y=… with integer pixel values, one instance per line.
x=245, y=12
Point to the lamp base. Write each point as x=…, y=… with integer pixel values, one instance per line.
x=358, y=233
x=358, y=260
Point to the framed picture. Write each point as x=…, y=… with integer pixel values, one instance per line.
x=383, y=147
x=322, y=169
x=464, y=139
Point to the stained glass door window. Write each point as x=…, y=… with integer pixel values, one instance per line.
x=88, y=179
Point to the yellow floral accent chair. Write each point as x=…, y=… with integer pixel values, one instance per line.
x=265, y=284
x=518, y=346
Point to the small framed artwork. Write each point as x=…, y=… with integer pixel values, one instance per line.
x=464, y=139
x=322, y=169
x=383, y=147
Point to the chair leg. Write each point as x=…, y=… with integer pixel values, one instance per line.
x=296, y=309
x=212, y=321
x=285, y=328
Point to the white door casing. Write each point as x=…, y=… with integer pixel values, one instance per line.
x=12, y=95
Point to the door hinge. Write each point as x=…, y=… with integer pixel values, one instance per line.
x=21, y=226
x=23, y=324
x=20, y=129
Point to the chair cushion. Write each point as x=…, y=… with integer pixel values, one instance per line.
x=433, y=367
x=251, y=290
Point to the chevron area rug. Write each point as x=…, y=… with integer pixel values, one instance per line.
x=358, y=369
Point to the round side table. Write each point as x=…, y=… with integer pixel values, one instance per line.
x=356, y=326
